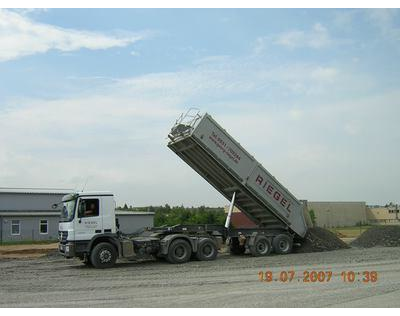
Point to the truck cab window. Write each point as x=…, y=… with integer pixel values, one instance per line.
x=88, y=208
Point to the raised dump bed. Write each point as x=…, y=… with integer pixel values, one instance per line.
x=205, y=146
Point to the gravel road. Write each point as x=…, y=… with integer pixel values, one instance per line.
x=227, y=282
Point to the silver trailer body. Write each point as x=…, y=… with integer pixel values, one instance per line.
x=206, y=147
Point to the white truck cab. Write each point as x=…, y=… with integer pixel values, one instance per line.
x=84, y=216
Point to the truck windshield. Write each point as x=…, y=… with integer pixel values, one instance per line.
x=68, y=210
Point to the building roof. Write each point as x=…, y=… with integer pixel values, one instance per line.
x=240, y=220
x=25, y=213
x=35, y=191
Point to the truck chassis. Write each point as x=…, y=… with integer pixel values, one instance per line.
x=176, y=244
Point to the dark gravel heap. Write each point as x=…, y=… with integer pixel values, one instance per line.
x=387, y=236
x=319, y=239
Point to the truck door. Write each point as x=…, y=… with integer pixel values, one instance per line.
x=89, y=220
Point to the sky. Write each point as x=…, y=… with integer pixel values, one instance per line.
x=88, y=96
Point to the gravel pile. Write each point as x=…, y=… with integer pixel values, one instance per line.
x=387, y=236
x=319, y=239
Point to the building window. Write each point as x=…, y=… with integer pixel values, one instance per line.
x=15, y=227
x=43, y=226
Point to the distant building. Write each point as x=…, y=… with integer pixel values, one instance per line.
x=383, y=215
x=338, y=214
x=27, y=214
x=331, y=214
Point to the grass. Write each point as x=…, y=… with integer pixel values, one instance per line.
x=350, y=232
x=28, y=242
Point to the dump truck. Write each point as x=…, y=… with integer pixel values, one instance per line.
x=88, y=228
x=216, y=156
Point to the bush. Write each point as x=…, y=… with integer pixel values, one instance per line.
x=312, y=216
x=169, y=216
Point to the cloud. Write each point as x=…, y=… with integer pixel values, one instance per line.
x=381, y=17
x=317, y=37
x=115, y=134
x=105, y=137
x=329, y=151
x=260, y=45
x=21, y=36
x=385, y=21
x=324, y=73
x=135, y=53
x=286, y=115
x=29, y=11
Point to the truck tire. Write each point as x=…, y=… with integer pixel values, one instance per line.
x=103, y=255
x=179, y=251
x=261, y=247
x=235, y=247
x=282, y=244
x=206, y=250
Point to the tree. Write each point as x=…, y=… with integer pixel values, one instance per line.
x=312, y=216
x=169, y=216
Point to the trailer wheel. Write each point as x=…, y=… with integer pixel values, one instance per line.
x=235, y=247
x=261, y=246
x=179, y=251
x=206, y=250
x=282, y=244
x=103, y=255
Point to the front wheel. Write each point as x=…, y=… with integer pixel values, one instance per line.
x=103, y=255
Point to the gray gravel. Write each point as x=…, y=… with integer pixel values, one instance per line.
x=387, y=236
x=320, y=239
x=227, y=282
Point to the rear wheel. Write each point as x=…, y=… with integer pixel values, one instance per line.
x=103, y=255
x=261, y=246
x=282, y=244
x=179, y=251
x=207, y=250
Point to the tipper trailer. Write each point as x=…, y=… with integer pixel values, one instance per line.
x=88, y=228
x=208, y=148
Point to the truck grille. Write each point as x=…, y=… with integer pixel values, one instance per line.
x=62, y=236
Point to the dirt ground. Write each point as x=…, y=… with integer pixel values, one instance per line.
x=229, y=281
x=26, y=251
